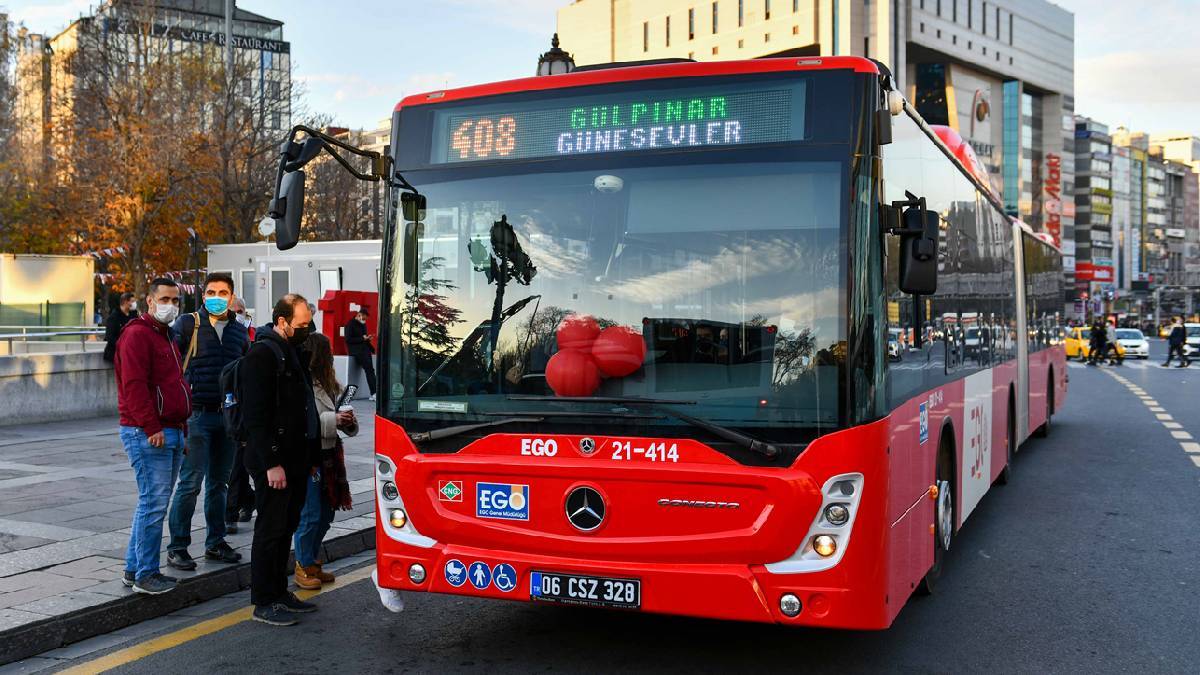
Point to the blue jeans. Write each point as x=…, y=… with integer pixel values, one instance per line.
x=209, y=460
x=155, y=470
x=314, y=523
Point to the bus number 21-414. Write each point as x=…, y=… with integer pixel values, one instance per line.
x=655, y=452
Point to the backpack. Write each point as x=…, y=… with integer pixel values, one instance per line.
x=191, y=351
x=231, y=393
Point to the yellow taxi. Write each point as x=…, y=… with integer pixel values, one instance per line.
x=1078, y=343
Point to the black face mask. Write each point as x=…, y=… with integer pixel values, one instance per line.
x=299, y=336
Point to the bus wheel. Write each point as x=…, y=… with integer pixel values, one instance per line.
x=1010, y=443
x=943, y=517
x=1044, y=430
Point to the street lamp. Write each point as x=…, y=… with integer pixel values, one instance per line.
x=555, y=61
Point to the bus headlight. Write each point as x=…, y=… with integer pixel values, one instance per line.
x=825, y=545
x=398, y=518
x=837, y=514
x=389, y=491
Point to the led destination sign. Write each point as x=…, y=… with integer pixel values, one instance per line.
x=628, y=122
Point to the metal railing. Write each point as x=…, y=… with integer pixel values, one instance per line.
x=64, y=334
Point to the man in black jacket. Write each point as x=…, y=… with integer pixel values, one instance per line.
x=280, y=416
x=1175, y=344
x=123, y=314
x=358, y=345
x=209, y=340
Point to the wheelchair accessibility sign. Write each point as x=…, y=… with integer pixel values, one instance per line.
x=504, y=577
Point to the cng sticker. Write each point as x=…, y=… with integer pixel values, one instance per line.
x=976, y=441
x=450, y=490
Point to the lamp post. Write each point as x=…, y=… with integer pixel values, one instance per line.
x=556, y=61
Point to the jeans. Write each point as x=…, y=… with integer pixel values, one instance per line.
x=155, y=470
x=209, y=460
x=278, y=516
x=365, y=360
x=314, y=523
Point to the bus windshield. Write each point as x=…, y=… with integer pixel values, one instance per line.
x=738, y=306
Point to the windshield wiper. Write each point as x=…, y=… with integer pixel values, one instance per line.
x=447, y=432
x=744, y=440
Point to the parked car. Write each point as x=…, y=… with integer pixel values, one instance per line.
x=1134, y=342
x=1192, y=346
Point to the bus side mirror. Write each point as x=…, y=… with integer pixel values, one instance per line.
x=412, y=207
x=412, y=237
x=288, y=209
x=918, y=246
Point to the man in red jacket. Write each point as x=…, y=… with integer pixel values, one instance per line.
x=154, y=403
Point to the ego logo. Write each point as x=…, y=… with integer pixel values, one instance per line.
x=502, y=500
x=539, y=447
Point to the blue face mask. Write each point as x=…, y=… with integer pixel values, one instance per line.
x=216, y=305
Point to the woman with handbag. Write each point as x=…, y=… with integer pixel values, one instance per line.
x=328, y=488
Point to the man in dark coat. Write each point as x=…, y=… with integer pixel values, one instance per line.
x=1175, y=342
x=358, y=345
x=209, y=339
x=125, y=312
x=280, y=417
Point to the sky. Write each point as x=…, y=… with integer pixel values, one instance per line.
x=1135, y=63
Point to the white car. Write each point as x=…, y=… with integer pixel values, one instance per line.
x=1134, y=342
x=1192, y=346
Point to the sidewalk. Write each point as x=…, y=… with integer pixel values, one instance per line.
x=67, y=494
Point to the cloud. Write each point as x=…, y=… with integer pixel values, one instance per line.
x=528, y=16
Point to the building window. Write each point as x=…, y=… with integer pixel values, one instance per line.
x=997, y=56
x=692, y=56
x=691, y=24
x=939, y=33
x=1010, y=27
x=985, y=51
x=715, y=51
x=953, y=39
x=1010, y=61
x=970, y=14
x=668, y=32
x=246, y=88
x=766, y=37
x=795, y=6
x=922, y=26
x=714, y=19
x=970, y=44
x=997, y=23
x=767, y=10
x=984, y=15
x=741, y=12
x=954, y=11
x=273, y=89
x=939, y=7
x=795, y=30
x=276, y=120
x=645, y=36
x=741, y=43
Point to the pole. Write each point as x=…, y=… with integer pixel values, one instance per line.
x=229, y=43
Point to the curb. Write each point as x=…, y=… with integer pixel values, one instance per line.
x=59, y=631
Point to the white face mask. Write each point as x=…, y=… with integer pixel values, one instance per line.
x=133, y=306
x=244, y=319
x=165, y=313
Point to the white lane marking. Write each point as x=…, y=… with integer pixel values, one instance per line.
x=1149, y=401
x=1157, y=409
x=1182, y=435
x=1172, y=425
x=1164, y=416
x=1190, y=447
x=1196, y=461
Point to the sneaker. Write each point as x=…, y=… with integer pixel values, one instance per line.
x=275, y=614
x=245, y=515
x=222, y=553
x=231, y=527
x=127, y=579
x=294, y=604
x=306, y=577
x=155, y=584
x=371, y=398
x=181, y=560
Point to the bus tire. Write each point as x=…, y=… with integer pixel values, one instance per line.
x=1044, y=430
x=1010, y=442
x=943, y=513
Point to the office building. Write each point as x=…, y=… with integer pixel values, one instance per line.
x=1095, y=272
x=46, y=83
x=1001, y=73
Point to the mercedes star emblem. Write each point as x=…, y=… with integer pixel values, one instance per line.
x=587, y=446
x=585, y=508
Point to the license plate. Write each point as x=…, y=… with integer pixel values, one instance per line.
x=579, y=589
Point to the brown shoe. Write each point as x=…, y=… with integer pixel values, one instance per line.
x=306, y=578
x=325, y=577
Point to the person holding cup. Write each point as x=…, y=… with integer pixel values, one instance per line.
x=328, y=488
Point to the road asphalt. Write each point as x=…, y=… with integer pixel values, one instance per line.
x=1085, y=563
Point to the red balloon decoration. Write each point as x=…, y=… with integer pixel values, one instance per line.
x=571, y=372
x=618, y=351
x=577, y=331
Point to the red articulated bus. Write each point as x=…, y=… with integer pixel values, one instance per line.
x=635, y=342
